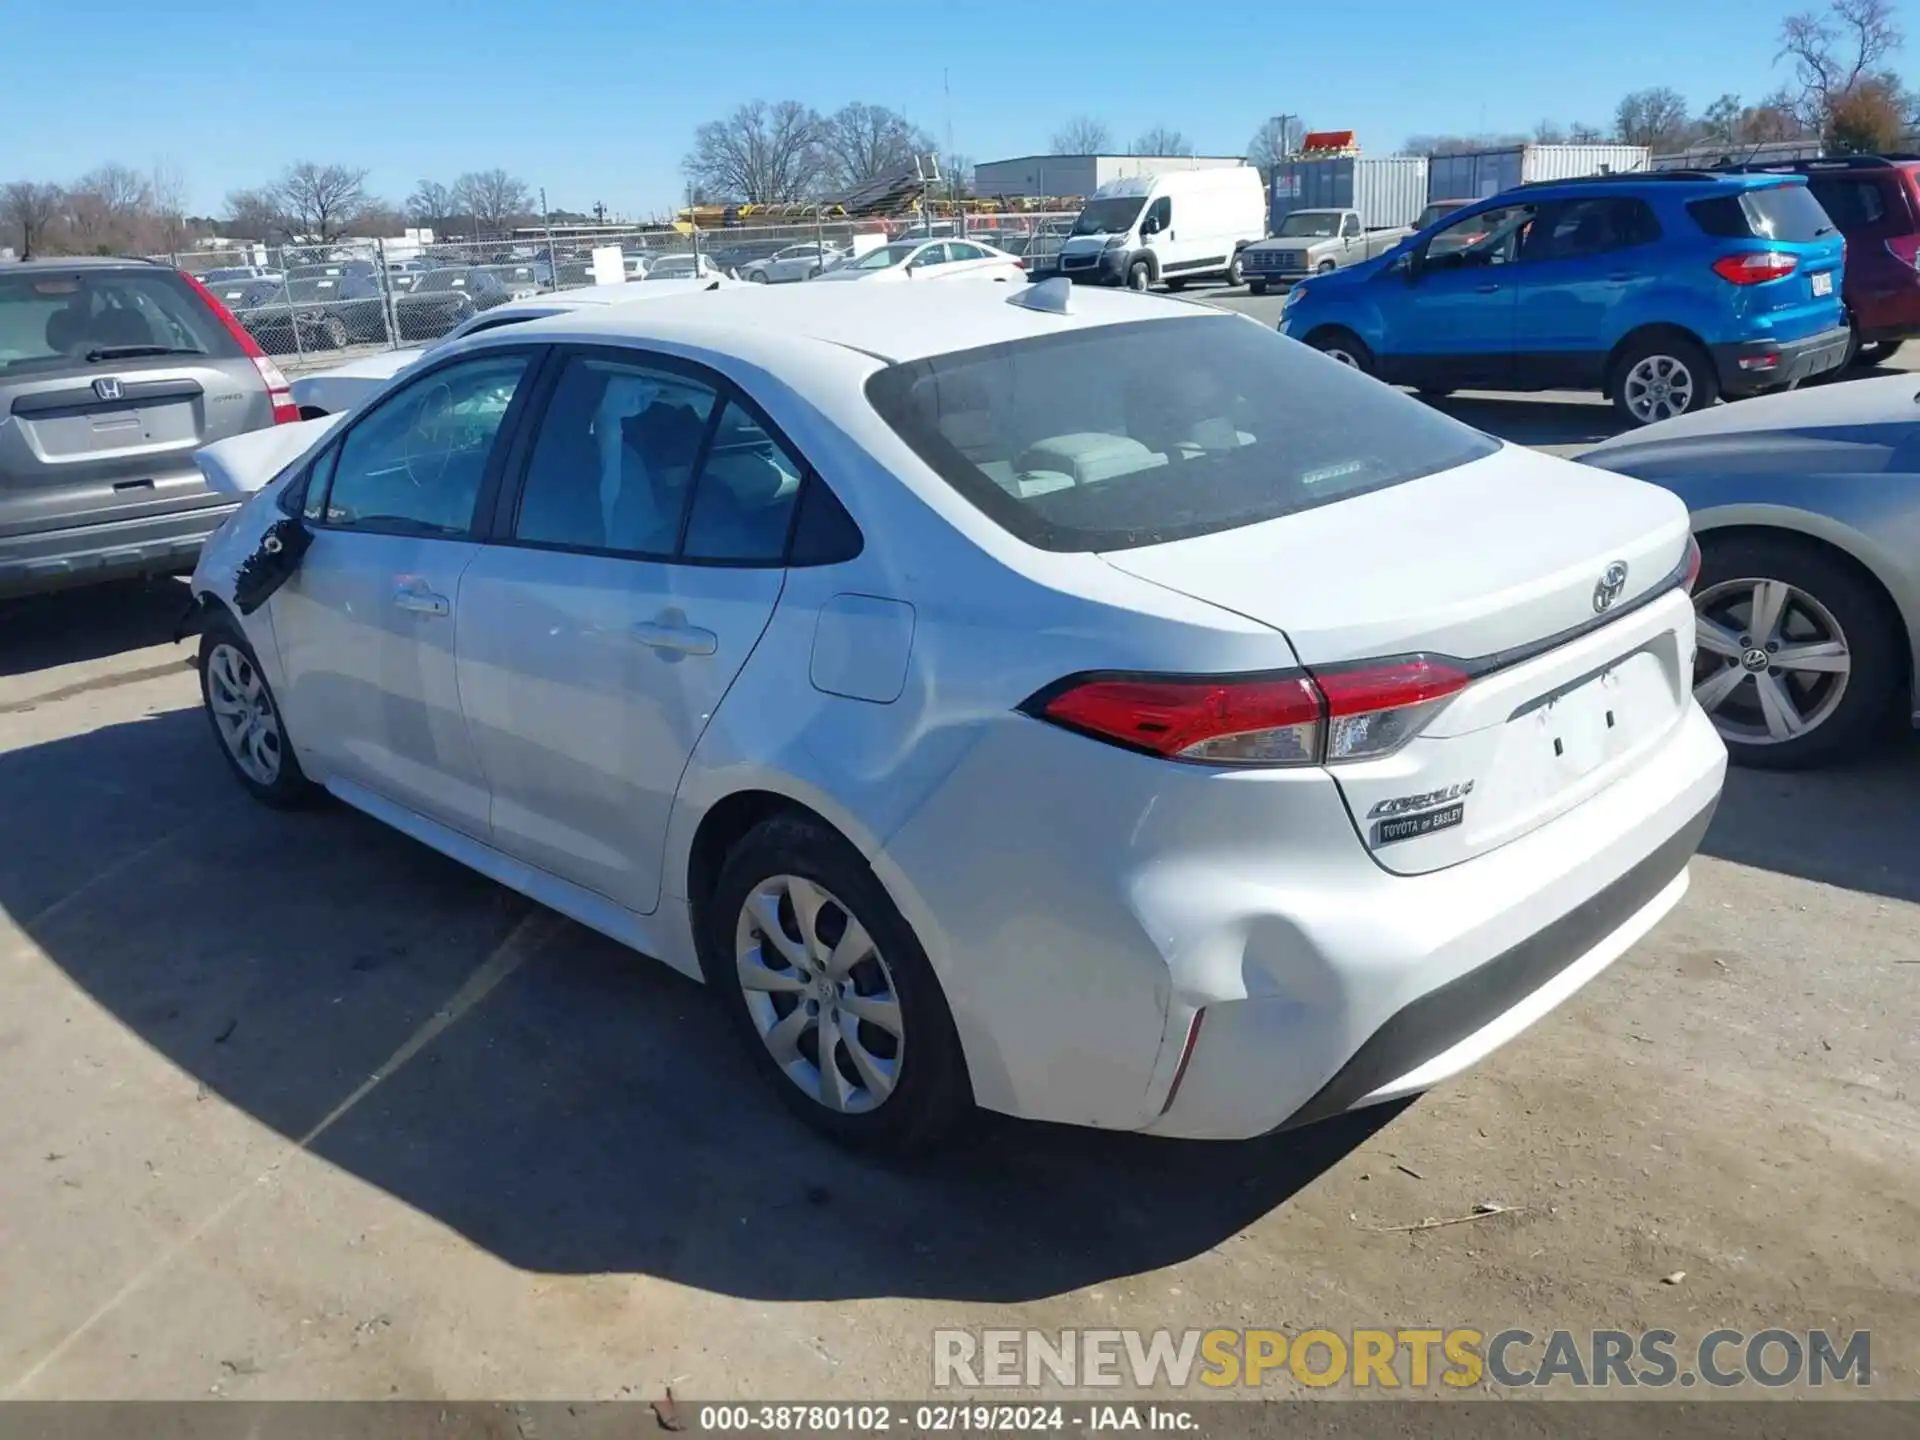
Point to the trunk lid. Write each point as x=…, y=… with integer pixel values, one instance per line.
x=1512, y=563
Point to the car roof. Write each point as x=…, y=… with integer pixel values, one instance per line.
x=891, y=323
x=1684, y=184
x=83, y=262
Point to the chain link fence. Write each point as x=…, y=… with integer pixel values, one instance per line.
x=310, y=305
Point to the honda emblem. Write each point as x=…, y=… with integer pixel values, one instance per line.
x=107, y=389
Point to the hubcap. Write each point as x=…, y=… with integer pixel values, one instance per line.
x=820, y=994
x=243, y=712
x=1773, y=662
x=1658, y=388
x=1344, y=357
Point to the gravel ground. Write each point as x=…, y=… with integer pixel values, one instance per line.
x=295, y=1108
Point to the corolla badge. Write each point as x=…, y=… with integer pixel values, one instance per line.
x=1611, y=585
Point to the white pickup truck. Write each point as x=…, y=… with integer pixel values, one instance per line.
x=1312, y=242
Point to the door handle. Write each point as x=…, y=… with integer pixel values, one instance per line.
x=1486, y=289
x=422, y=602
x=1620, y=277
x=676, y=637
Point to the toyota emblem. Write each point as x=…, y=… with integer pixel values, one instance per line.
x=1611, y=585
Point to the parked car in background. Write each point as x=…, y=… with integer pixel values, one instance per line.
x=791, y=262
x=930, y=260
x=322, y=312
x=109, y=374
x=335, y=269
x=226, y=274
x=1807, y=508
x=1314, y=242
x=1180, y=226
x=734, y=256
x=328, y=392
x=1875, y=200
x=1438, y=210
x=1663, y=290
x=685, y=267
x=523, y=279
x=848, y=649
x=443, y=298
x=403, y=275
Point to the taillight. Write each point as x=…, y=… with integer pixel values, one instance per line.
x=1346, y=712
x=1905, y=249
x=1756, y=267
x=1693, y=565
x=279, y=392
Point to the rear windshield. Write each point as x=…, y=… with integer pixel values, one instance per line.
x=1787, y=213
x=1125, y=435
x=50, y=318
x=443, y=280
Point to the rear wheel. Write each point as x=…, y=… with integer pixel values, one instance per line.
x=335, y=331
x=1800, y=656
x=1877, y=353
x=1663, y=376
x=1176, y=284
x=1344, y=346
x=839, y=1005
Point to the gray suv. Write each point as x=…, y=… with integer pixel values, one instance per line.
x=112, y=373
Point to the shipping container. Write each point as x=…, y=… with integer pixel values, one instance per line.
x=1481, y=173
x=1388, y=191
x=1771, y=152
x=1070, y=175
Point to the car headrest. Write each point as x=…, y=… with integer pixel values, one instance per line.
x=64, y=328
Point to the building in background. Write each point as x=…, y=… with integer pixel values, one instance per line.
x=1480, y=173
x=1081, y=175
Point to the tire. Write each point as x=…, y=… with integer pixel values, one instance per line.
x=1139, y=276
x=1827, y=600
x=929, y=1094
x=1176, y=285
x=1256, y=287
x=1236, y=272
x=1877, y=352
x=757, y=277
x=334, y=330
x=1325, y=267
x=230, y=674
x=1661, y=376
x=1346, y=347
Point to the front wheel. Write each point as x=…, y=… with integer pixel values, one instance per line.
x=1325, y=267
x=1345, y=347
x=1256, y=287
x=1799, y=657
x=838, y=1002
x=335, y=331
x=757, y=277
x=246, y=718
x=1235, y=271
x=1662, y=377
x=1139, y=276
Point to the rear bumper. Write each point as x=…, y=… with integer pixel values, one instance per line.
x=1751, y=366
x=110, y=550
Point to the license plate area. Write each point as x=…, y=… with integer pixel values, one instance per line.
x=1823, y=283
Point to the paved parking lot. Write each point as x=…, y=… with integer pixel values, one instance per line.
x=296, y=1108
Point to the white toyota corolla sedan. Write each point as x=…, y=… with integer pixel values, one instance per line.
x=1091, y=707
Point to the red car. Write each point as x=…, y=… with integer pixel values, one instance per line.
x=1875, y=200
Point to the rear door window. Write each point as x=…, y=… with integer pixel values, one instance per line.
x=1854, y=203
x=1195, y=425
x=54, y=318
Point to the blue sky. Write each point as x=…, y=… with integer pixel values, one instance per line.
x=597, y=100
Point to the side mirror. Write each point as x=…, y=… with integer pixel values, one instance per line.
x=1149, y=226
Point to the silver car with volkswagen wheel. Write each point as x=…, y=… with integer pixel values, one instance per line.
x=1807, y=508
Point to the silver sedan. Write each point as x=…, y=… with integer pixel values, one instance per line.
x=1807, y=508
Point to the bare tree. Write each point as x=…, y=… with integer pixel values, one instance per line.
x=1277, y=139
x=1459, y=144
x=1834, y=52
x=431, y=204
x=252, y=215
x=492, y=197
x=1656, y=118
x=1720, y=121
x=318, y=202
x=762, y=153
x=109, y=210
x=1162, y=140
x=1549, y=132
x=168, y=184
x=1083, y=135
x=869, y=142
x=956, y=175
x=28, y=208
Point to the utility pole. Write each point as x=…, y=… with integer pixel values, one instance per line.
x=946, y=89
x=546, y=220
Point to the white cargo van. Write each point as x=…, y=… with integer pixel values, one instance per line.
x=1172, y=228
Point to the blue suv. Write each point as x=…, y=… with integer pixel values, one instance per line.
x=1663, y=290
